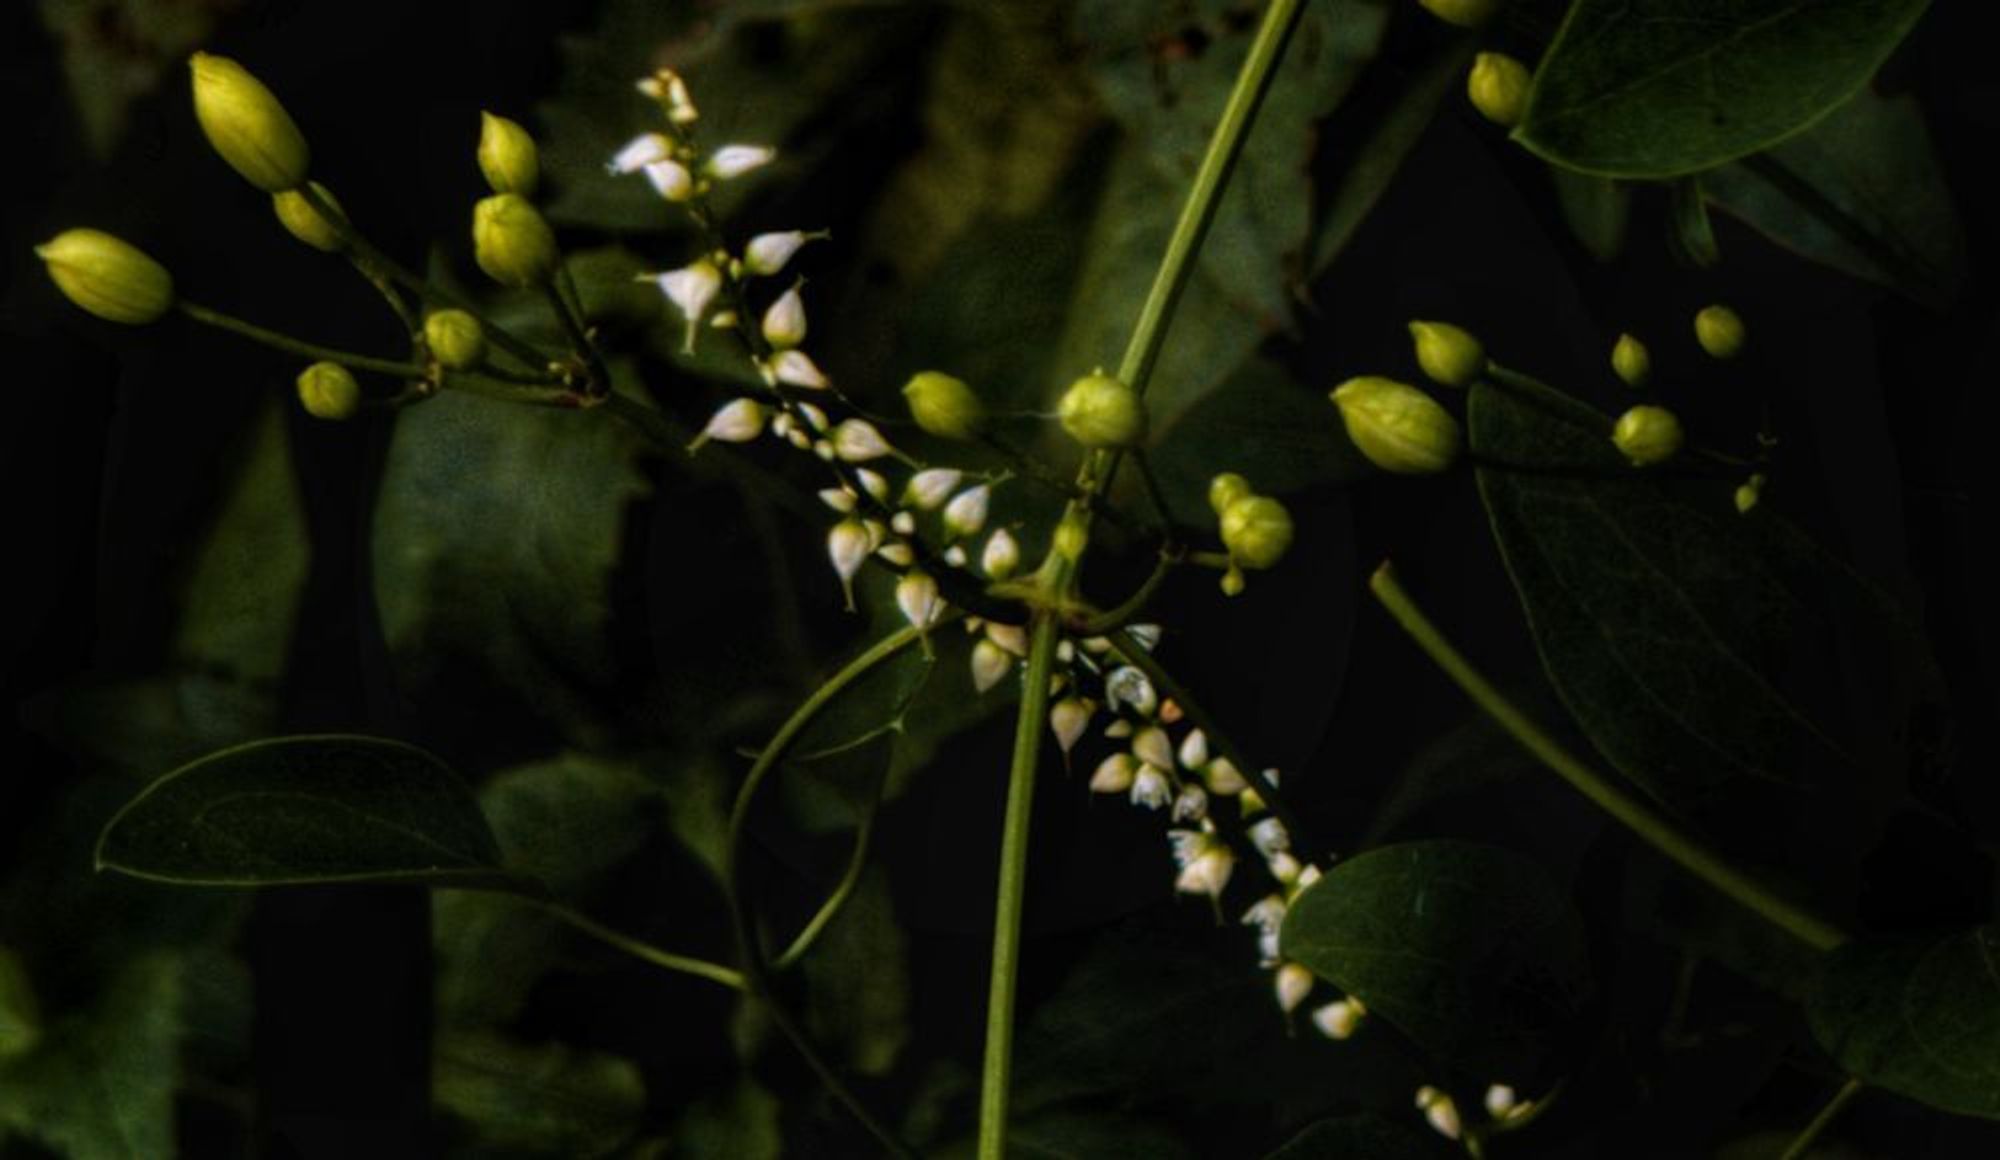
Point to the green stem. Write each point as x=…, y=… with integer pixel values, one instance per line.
x=1129, y=609
x=1804, y=1141
x=579, y=337
x=995, y=1079
x=286, y=342
x=701, y=968
x=756, y=973
x=1651, y=826
x=842, y=891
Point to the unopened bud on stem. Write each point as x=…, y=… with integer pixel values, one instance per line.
x=246, y=124
x=507, y=156
x=107, y=276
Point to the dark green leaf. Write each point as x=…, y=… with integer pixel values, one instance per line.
x=1470, y=950
x=858, y=979
x=1364, y=1137
x=1662, y=89
x=1262, y=422
x=741, y=1123
x=1862, y=192
x=1674, y=629
x=101, y=1085
x=1596, y=209
x=321, y=808
x=1694, y=234
x=547, y=1100
x=1918, y=1017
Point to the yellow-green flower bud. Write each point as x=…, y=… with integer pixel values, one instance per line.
x=1720, y=331
x=511, y=241
x=304, y=222
x=1630, y=361
x=455, y=338
x=1448, y=354
x=1464, y=13
x=328, y=391
x=1647, y=435
x=507, y=156
x=1749, y=493
x=247, y=125
x=1226, y=489
x=1498, y=86
x=107, y=276
x=1100, y=411
x=1397, y=427
x=944, y=406
x=1257, y=530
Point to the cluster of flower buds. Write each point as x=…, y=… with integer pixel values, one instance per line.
x=1504, y=1110
x=1256, y=529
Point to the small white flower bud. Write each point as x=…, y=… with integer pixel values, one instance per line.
x=737, y=421
x=847, y=545
x=797, y=368
x=1284, y=867
x=1130, y=686
x=1146, y=636
x=917, y=596
x=671, y=180
x=815, y=418
x=928, y=488
x=736, y=160
x=1012, y=637
x=903, y=524
x=955, y=556
x=1191, y=804
x=1170, y=712
x=1002, y=554
x=1206, y=867
x=1266, y=914
x=1068, y=718
x=1440, y=1111
x=1151, y=746
x=965, y=515
x=857, y=441
x=990, y=664
x=876, y=533
x=691, y=288
x=838, y=498
x=1118, y=730
x=1500, y=1101
x=1292, y=983
x=1114, y=774
x=1223, y=778
x=1338, y=1019
x=785, y=320
x=798, y=438
x=871, y=481
x=641, y=151
x=1194, y=749
x=898, y=553
x=1270, y=837
x=1150, y=788
x=766, y=254
x=1306, y=876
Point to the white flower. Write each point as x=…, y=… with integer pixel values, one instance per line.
x=766, y=254
x=737, y=160
x=1147, y=636
x=990, y=664
x=641, y=151
x=1151, y=789
x=966, y=513
x=929, y=487
x=785, y=320
x=1130, y=686
x=737, y=421
x=847, y=545
x=857, y=441
x=1068, y=719
x=1439, y=1109
x=1001, y=556
x=1191, y=804
x=1114, y=774
x=1194, y=749
x=1338, y=1019
x=1270, y=837
x=797, y=368
x=1151, y=746
x=1205, y=863
x=671, y=180
x=691, y=288
x=1266, y=914
x=917, y=596
x=1293, y=983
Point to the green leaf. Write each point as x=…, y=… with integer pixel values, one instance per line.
x=1470, y=950
x=741, y=1123
x=858, y=980
x=546, y=1100
x=496, y=532
x=101, y=1085
x=1694, y=234
x=1918, y=1017
x=1862, y=192
x=1262, y=422
x=1658, y=90
x=1676, y=631
x=315, y=808
x=1596, y=209
x=1364, y=1137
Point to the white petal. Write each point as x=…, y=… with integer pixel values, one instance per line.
x=966, y=513
x=990, y=664
x=928, y=488
x=641, y=151
x=1293, y=984
x=917, y=596
x=798, y=369
x=737, y=160
x=738, y=421
x=1001, y=556
x=766, y=254
x=857, y=441
x=671, y=180
x=785, y=321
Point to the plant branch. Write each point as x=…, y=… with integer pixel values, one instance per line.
x=1650, y=825
x=285, y=342
x=1803, y=1142
x=701, y=968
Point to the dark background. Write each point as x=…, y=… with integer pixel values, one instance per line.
x=115, y=449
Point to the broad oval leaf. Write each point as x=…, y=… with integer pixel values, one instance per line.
x=312, y=808
x=1663, y=89
x=1919, y=1018
x=1686, y=640
x=1470, y=950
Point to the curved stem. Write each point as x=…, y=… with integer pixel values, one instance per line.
x=996, y=1076
x=700, y=968
x=1650, y=825
x=285, y=342
x=842, y=891
x=1800, y=1144
x=756, y=973
x=1129, y=609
